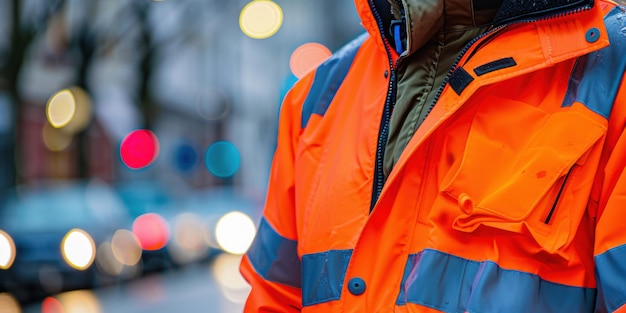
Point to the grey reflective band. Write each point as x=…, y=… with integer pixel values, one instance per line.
x=452, y=284
x=324, y=274
x=611, y=276
x=275, y=257
x=596, y=77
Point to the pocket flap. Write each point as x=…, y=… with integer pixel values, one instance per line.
x=549, y=154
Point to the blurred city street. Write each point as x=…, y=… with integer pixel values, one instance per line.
x=210, y=288
x=136, y=138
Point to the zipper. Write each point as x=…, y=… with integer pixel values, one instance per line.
x=564, y=181
x=493, y=30
x=379, y=177
x=383, y=133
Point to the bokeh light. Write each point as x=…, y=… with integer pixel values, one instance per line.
x=106, y=260
x=60, y=108
x=108, y=264
x=83, y=111
x=307, y=57
x=234, y=232
x=152, y=231
x=79, y=249
x=7, y=251
x=228, y=277
x=79, y=301
x=126, y=247
x=8, y=303
x=212, y=104
x=139, y=148
x=222, y=159
x=55, y=139
x=188, y=244
x=186, y=157
x=260, y=19
x=51, y=305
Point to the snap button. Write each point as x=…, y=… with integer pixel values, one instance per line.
x=356, y=286
x=592, y=35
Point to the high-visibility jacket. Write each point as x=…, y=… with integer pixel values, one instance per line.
x=509, y=197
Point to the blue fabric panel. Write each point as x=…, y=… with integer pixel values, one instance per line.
x=611, y=277
x=596, y=77
x=451, y=284
x=323, y=275
x=275, y=257
x=328, y=77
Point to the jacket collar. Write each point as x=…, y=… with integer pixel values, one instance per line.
x=426, y=17
x=519, y=10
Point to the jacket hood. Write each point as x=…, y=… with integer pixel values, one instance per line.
x=424, y=18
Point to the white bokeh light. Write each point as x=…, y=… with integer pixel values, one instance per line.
x=78, y=249
x=7, y=250
x=234, y=232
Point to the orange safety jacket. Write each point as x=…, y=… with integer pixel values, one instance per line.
x=510, y=196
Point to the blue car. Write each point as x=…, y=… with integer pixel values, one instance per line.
x=55, y=232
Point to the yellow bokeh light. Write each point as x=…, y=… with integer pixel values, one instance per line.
x=61, y=108
x=55, y=139
x=8, y=303
x=78, y=249
x=79, y=301
x=7, y=251
x=261, y=19
x=82, y=113
x=226, y=273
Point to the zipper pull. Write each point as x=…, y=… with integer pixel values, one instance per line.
x=399, y=35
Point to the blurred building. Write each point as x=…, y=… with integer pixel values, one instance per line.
x=183, y=69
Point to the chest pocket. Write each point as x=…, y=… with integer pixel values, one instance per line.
x=514, y=171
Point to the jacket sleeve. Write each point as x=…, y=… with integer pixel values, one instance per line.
x=610, y=237
x=272, y=265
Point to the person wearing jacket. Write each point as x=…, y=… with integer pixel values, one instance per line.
x=460, y=156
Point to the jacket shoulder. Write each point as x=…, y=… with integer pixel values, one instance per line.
x=328, y=77
x=615, y=22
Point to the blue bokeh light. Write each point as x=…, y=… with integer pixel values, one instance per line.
x=222, y=159
x=185, y=157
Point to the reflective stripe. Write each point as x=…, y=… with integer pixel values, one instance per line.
x=451, y=284
x=611, y=275
x=596, y=77
x=328, y=77
x=275, y=257
x=324, y=274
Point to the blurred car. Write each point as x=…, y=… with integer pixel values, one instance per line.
x=229, y=216
x=152, y=208
x=55, y=229
x=182, y=227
